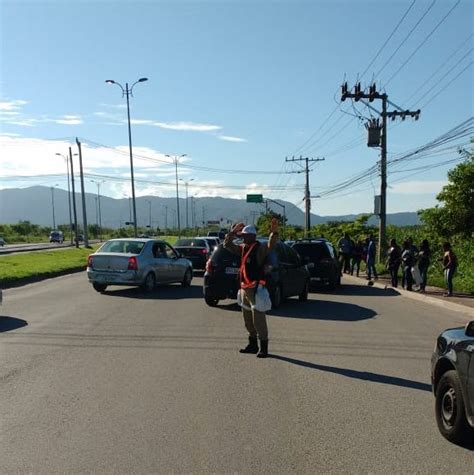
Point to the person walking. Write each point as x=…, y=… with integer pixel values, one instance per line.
x=408, y=259
x=357, y=254
x=371, y=252
x=393, y=262
x=253, y=254
x=345, y=248
x=424, y=255
x=449, y=267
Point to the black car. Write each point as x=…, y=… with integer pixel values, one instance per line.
x=285, y=274
x=452, y=379
x=321, y=256
x=197, y=250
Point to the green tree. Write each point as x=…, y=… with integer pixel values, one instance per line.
x=456, y=215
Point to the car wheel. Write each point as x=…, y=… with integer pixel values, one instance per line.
x=211, y=301
x=304, y=294
x=149, y=283
x=188, y=277
x=99, y=287
x=450, y=409
x=276, y=298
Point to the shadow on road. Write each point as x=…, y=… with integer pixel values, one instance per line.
x=11, y=323
x=322, y=310
x=358, y=291
x=362, y=375
x=172, y=292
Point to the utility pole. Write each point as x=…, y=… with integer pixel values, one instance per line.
x=307, y=195
x=166, y=217
x=73, y=198
x=378, y=137
x=84, y=211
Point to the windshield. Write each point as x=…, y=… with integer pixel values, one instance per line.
x=191, y=242
x=126, y=247
x=314, y=251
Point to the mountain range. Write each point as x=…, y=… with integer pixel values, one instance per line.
x=36, y=204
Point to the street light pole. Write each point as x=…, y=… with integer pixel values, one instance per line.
x=99, y=214
x=52, y=201
x=127, y=92
x=175, y=160
x=186, y=183
x=149, y=211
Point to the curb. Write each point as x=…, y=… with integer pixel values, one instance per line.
x=10, y=284
x=420, y=297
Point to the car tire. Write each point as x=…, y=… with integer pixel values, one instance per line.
x=276, y=297
x=304, y=294
x=149, y=283
x=211, y=301
x=99, y=287
x=188, y=277
x=450, y=409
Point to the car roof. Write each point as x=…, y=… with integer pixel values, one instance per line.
x=310, y=240
x=137, y=239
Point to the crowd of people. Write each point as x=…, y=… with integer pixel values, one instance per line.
x=413, y=261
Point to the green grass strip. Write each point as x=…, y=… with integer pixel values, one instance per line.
x=15, y=268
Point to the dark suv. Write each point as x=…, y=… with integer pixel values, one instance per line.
x=322, y=261
x=452, y=379
x=285, y=273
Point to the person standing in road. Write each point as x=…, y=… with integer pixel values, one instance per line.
x=357, y=254
x=408, y=259
x=424, y=255
x=345, y=249
x=449, y=267
x=371, y=252
x=253, y=254
x=393, y=262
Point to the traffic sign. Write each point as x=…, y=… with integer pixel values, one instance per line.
x=254, y=198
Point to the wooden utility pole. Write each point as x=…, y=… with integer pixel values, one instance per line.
x=73, y=197
x=357, y=95
x=307, y=194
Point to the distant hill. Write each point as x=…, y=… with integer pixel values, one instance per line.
x=35, y=204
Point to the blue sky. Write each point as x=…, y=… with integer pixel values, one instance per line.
x=235, y=85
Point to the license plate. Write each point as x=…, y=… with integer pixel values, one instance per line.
x=102, y=278
x=232, y=270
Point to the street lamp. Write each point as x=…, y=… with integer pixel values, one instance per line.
x=99, y=214
x=175, y=160
x=186, y=182
x=52, y=201
x=68, y=192
x=127, y=92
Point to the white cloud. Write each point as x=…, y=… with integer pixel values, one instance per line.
x=12, y=105
x=141, y=122
x=8, y=134
x=187, y=126
x=69, y=120
x=229, y=138
x=417, y=187
x=115, y=106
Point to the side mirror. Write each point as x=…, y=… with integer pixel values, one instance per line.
x=470, y=328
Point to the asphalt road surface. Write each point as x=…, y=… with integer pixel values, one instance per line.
x=130, y=383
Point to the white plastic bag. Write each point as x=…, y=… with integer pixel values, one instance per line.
x=415, y=272
x=263, y=302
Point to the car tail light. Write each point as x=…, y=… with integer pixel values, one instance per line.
x=89, y=261
x=132, y=263
x=209, y=266
x=204, y=251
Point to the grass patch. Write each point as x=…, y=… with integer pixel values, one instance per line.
x=15, y=268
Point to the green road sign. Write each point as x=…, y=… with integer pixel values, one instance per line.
x=254, y=198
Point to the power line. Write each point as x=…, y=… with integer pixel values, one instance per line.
x=422, y=43
x=406, y=37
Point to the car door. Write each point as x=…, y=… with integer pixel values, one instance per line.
x=161, y=263
x=297, y=272
x=177, y=268
x=285, y=270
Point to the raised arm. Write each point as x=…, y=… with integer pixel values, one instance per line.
x=230, y=236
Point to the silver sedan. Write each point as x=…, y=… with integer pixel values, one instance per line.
x=137, y=262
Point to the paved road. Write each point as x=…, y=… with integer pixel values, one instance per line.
x=124, y=382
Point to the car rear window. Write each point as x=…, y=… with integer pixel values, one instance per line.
x=191, y=242
x=127, y=247
x=315, y=251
